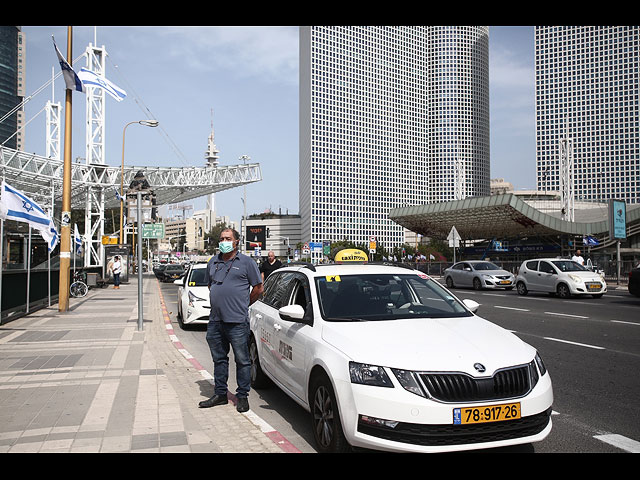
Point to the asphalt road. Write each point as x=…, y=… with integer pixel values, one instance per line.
x=591, y=348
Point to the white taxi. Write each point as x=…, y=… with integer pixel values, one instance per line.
x=386, y=358
x=193, y=296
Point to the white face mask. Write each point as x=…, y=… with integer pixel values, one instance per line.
x=226, y=247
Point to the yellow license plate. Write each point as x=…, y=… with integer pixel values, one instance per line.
x=485, y=414
x=505, y=282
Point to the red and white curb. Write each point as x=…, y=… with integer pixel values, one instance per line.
x=264, y=427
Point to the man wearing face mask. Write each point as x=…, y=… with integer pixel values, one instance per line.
x=234, y=283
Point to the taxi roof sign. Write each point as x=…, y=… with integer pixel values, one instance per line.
x=351, y=255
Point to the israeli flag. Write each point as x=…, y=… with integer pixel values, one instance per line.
x=77, y=238
x=20, y=208
x=92, y=79
x=70, y=78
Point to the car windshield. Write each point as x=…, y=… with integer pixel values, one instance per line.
x=568, y=266
x=384, y=297
x=197, y=277
x=174, y=268
x=485, y=266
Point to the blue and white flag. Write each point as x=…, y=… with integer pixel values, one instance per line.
x=77, y=239
x=92, y=79
x=20, y=208
x=70, y=78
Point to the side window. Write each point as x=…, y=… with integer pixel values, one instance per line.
x=532, y=265
x=546, y=267
x=275, y=289
x=458, y=266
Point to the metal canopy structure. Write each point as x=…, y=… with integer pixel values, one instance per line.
x=499, y=216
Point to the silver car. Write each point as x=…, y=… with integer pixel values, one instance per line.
x=478, y=274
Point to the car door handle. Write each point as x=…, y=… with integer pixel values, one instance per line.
x=277, y=327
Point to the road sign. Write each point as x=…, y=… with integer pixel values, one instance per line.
x=153, y=230
x=454, y=238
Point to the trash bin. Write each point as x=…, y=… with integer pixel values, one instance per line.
x=92, y=279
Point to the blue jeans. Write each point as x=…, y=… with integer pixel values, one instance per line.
x=220, y=336
x=116, y=279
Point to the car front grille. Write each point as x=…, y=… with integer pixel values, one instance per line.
x=461, y=387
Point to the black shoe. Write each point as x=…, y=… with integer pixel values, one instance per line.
x=243, y=404
x=214, y=401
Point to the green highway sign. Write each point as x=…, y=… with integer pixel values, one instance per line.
x=153, y=230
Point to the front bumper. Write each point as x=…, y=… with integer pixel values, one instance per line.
x=498, y=283
x=588, y=288
x=196, y=313
x=393, y=419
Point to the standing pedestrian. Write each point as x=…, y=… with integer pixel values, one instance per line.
x=578, y=258
x=234, y=283
x=116, y=268
x=269, y=265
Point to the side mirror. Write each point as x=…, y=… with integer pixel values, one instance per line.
x=471, y=305
x=292, y=313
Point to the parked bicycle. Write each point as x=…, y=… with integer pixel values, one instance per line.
x=78, y=287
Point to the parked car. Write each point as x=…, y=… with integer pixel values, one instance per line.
x=634, y=281
x=386, y=358
x=193, y=296
x=559, y=276
x=171, y=272
x=158, y=269
x=478, y=274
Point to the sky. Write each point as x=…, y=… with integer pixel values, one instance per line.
x=245, y=80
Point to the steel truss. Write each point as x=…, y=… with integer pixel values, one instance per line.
x=95, y=187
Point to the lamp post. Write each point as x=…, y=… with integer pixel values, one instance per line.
x=244, y=159
x=146, y=123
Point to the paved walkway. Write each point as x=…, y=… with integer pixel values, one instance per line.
x=88, y=380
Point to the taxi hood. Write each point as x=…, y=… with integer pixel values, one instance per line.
x=427, y=344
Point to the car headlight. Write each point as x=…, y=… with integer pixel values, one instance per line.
x=408, y=381
x=540, y=363
x=195, y=298
x=575, y=278
x=369, y=375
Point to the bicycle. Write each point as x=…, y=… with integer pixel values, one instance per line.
x=78, y=288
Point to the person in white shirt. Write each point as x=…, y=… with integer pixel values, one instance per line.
x=578, y=258
x=116, y=268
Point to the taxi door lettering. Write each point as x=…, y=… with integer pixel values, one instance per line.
x=285, y=350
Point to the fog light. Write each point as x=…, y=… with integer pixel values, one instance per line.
x=378, y=422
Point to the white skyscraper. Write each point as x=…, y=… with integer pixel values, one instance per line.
x=389, y=117
x=587, y=93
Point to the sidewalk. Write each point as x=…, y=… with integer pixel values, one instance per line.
x=88, y=380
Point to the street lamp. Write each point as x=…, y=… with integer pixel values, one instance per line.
x=146, y=123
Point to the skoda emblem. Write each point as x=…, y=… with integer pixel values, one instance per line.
x=479, y=367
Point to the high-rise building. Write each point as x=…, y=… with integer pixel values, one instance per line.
x=389, y=117
x=587, y=94
x=12, y=86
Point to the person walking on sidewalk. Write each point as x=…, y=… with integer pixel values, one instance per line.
x=269, y=265
x=116, y=268
x=234, y=283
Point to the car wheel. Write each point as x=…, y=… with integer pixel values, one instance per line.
x=449, y=282
x=563, y=291
x=325, y=418
x=258, y=378
x=522, y=288
x=477, y=284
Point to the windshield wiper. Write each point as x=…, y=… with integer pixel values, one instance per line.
x=346, y=319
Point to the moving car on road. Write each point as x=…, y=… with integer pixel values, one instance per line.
x=559, y=276
x=384, y=357
x=634, y=281
x=478, y=274
x=171, y=273
x=193, y=296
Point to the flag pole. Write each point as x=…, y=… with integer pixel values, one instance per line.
x=65, y=233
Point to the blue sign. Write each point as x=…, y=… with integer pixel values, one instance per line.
x=617, y=219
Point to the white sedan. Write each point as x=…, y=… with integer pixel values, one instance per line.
x=193, y=296
x=386, y=358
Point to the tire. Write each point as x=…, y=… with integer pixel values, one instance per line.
x=477, y=284
x=78, y=289
x=449, y=282
x=563, y=291
x=258, y=378
x=522, y=288
x=325, y=418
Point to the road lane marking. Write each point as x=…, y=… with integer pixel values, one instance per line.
x=565, y=315
x=574, y=343
x=620, y=441
x=627, y=323
x=513, y=308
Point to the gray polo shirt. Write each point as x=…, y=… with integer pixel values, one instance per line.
x=230, y=283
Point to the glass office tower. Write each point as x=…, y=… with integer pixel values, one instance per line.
x=389, y=117
x=587, y=90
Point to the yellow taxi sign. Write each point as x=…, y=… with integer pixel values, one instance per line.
x=351, y=255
